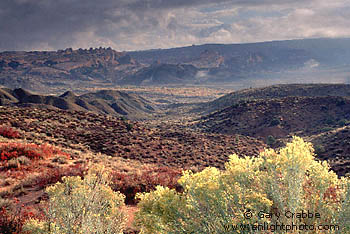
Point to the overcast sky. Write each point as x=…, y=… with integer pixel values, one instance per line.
x=146, y=24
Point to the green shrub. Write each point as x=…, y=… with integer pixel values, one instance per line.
x=275, y=122
x=16, y=162
x=330, y=121
x=270, y=141
x=214, y=201
x=129, y=126
x=343, y=122
x=326, y=129
x=319, y=149
x=340, y=102
x=79, y=205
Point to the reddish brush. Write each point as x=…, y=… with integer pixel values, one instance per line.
x=31, y=151
x=147, y=180
x=53, y=176
x=332, y=194
x=9, y=132
x=12, y=221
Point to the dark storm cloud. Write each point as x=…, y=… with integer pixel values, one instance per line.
x=25, y=23
x=165, y=4
x=55, y=24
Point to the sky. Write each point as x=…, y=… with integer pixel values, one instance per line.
x=150, y=24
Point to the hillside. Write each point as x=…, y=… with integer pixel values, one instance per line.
x=153, y=151
x=110, y=102
x=164, y=145
x=324, y=121
x=279, y=117
x=274, y=91
x=334, y=147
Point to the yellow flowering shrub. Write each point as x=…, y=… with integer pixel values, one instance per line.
x=275, y=188
x=83, y=206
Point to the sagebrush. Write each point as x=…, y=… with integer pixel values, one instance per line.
x=290, y=181
x=83, y=206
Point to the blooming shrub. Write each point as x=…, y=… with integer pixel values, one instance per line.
x=79, y=205
x=252, y=191
x=9, y=132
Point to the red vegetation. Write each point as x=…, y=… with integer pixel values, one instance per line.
x=12, y=220
x=30, y=159
x=31, y=151
x=55, y=175
x=10, y=223
x=9, y=132
x=332, y=194
x=145, y=181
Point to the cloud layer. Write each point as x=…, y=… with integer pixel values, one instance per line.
x=146, y=24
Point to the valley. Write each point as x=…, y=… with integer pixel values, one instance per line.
x=174, y=117
x=150, y=115
x=163, y=131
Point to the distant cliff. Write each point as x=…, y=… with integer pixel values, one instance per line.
x=57, y=71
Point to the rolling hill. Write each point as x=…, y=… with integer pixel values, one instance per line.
x=166, y=145
x=110, y=102
x=320, y=113
x=274, y=91
x=279, y=117
x=333, y=146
